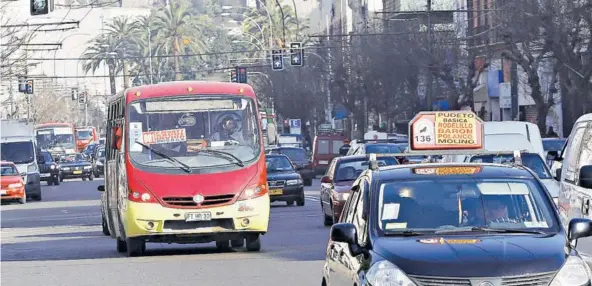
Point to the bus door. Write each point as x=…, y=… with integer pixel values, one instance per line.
x=115, y=176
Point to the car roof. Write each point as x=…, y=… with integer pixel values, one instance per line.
x=6, y=163
x=275, y=155
x=398, y=172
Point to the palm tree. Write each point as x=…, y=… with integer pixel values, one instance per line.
x=262, y=19
x=144, y=49
x=103, y=50
x=179, y=32
x=124, y=30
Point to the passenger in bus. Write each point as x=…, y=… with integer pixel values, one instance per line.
x=229, y=132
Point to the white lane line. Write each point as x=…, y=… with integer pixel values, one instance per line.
x=311, y=198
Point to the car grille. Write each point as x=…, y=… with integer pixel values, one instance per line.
x=276, y=183
x=540, y=279
x=188, y=201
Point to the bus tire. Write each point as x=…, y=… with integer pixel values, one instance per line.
x=308, y=182
x=223, y=245
x=135, y=247
x=253, y=243
x=105, y=227
x=121, y=245
x=237, y=243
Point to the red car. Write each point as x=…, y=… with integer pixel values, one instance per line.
x=12, y=186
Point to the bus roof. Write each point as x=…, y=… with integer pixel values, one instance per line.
x=188, y=88
x=54, y=124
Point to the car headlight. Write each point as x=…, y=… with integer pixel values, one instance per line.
x=52, y=167
x=32, y=168
x=294, y=182
x=343, y=196
x=384, y=273
x=87, y=167
x=65, y=168
x=15, y=186
x=575, y=272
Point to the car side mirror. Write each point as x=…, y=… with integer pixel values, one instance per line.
x=23, y=174
x=558, y=174
x=101, y=188
x=326, y=180
x=346, y=233
x=579, y=228
x=552, y=155
x=586, y=177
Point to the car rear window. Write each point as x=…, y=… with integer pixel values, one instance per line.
x=336, y=145
x=323, y=147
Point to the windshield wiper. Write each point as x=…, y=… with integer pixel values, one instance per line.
x=488, y=229
x=404, y=233
x=224, y=155
x=181, y=165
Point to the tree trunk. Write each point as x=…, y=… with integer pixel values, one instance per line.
x=542, y=105
x=112, y=79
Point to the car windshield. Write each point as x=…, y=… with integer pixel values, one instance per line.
x=83, y=134
x=61, y=137
x=101, y=153
x=295, y=154
x=278, y=164
x=72, y=158
x=9, y=170
x=196, y=131
x=351, y=169
x=553, y=144
x=449, y=204
x=383, y=149
x=18, y=152
x=530, y=160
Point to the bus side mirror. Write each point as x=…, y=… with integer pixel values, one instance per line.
x=101, y=188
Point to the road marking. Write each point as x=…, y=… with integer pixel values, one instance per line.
x=51, y=205
x=311, y=198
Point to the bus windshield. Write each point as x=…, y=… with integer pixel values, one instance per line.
x=55, y=137
x=199, y=132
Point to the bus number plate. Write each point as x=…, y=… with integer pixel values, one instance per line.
x=201, y=216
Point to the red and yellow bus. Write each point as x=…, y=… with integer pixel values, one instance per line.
x=85, y=136
x=57, y=138
x=185, y=164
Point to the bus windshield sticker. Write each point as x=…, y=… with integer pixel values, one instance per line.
x=164, y=136
x=62, y=131
x=135, y=135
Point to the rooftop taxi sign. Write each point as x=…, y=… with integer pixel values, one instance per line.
x=446, y=130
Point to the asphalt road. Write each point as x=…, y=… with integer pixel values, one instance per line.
x=59, y=242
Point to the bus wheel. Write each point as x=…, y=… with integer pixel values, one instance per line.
x=237, y=243
x=223, y=245
x=121, y=245
x=253, y=243
x=135, y=247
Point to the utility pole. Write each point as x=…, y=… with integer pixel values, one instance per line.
x=430, y=80
x=150, y=53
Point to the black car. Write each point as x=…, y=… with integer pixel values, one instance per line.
x=49, y=169
x=443, y=224
x=285, y=184
x=76, y=166
x=300, y=159
x=99, y=162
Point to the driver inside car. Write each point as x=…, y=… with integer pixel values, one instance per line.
x=229, y=132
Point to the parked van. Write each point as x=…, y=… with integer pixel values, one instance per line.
x=575, y=175
x=325, y=147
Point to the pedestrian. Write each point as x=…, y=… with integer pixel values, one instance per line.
x=483, y=113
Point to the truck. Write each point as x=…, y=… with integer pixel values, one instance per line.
x=19, y=146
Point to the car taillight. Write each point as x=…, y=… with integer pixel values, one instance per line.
x=253, y=191
x=141, y=197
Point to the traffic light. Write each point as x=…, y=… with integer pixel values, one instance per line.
x=29, y=89
x=82, y=98
x=277, y=60
x=233, y=76
x=74, y=93
x=296, y=54
x=241, y=74
x=22, y=84
x=41, y=7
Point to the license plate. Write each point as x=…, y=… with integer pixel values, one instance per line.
x=77, y=172
x=3, y=192
x=276, y=192
x=202, y=216
x=323, y=162
x=45, y=175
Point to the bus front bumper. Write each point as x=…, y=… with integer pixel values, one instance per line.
x=157, y=223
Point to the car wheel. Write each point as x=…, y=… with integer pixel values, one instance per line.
x=135, y=247
x=290, y=203
x=23, y=200
x=37, y=197
x=61, y=178
x=105, y=227
x=254, y=243
x=308, y=182
x=84, y=178
x=300, y=201
x=56, y=180
x=50, y=182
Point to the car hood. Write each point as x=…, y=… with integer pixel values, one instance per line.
x=180, y=185
x=552, y=186
x=287, y=175
x=484, y=256
x=7, y=180
x=74, y=164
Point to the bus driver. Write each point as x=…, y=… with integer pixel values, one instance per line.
x=229, y=132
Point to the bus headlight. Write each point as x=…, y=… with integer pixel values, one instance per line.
x=575, y=272
x=384, y=273
x=253, y=192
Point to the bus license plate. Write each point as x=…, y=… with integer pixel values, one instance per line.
x=276, y=192
x=201, y=216
x=77, y=172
